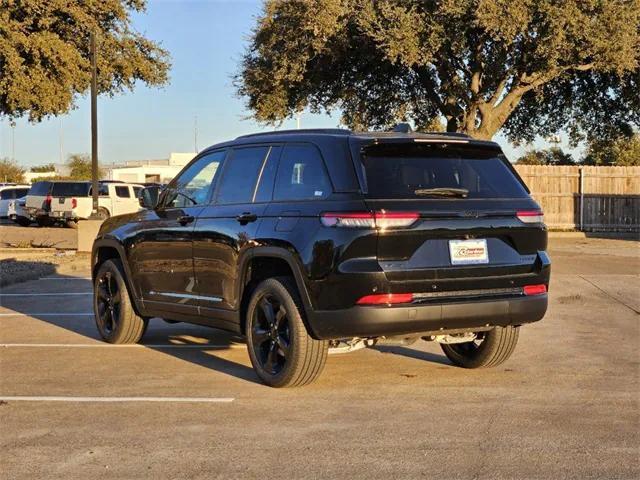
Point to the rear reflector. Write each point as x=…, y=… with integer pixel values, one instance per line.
x=386, y=299
x=379, y=219
x=534, y=289
x=530, y=216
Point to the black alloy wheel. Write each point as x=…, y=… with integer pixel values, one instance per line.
x=115, y=316
x=109, y=300
x=282, y=351
x=271, y=337
x=488, y=349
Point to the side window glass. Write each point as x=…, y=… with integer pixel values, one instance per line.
x=136, y=191
x=240, y=175
x=6, y=194
x=123, y=192
x=301, y=175
x=192, y=187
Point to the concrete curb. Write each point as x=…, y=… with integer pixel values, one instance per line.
x=567, y=235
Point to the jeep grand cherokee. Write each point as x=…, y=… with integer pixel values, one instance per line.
x=308, y=240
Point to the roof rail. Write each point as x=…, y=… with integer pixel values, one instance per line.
x=326, y=131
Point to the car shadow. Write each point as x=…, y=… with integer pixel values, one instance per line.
x=191, y=343
x=416, y=354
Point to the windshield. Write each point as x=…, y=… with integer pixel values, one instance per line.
x=438, y=171
x=71, y=189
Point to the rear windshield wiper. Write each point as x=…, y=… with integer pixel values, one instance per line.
x=445, y=192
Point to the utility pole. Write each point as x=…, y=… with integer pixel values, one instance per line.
x=94, y=124
x=61, y=140
x=13, y=141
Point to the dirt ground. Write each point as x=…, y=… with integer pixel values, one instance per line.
x=188, y=405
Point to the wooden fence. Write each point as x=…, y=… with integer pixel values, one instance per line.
x=586, y=198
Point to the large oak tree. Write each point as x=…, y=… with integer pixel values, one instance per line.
x=44, y=53
x=525, y=66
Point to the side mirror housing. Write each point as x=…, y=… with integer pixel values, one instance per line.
x=148, y=197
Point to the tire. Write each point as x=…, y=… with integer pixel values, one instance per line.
x=115, y=317
x=283, y=355
x=72, y=224
x=23, y=222
x=44, y=222
x=495, y=348
x=103, y=213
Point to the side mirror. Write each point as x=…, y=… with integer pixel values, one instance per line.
x=148, y=197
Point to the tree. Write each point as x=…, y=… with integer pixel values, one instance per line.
x=623, y=151
x=11, y=172
x=44, y=53
x=528, y=67
x=50, y=167
x=550, y=156
x=80, y=167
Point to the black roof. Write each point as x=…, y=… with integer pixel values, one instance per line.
x=365, y=137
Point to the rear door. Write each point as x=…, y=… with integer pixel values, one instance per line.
x=476, y=225
x=225, y=229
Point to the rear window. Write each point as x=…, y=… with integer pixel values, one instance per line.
x=71, y=189
x=40, y=189
x=411, y=171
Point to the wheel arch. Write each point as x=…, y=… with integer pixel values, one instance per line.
x=106, y=249
x=277, y=259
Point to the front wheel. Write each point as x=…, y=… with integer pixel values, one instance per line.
x=281, y=350
x=115, y=317
x=489, y=349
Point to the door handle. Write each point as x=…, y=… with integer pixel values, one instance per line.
x=246, y=217
x=185, y=219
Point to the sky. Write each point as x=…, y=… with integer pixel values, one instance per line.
x=206, y=40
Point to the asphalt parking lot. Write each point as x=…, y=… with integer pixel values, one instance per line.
x=188, y=405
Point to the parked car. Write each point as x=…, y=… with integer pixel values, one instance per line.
x=9, y=193
x=67, y=202
x=17, y=212
x=306, y=240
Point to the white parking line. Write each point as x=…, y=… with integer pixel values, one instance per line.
x=109, y=345
x=119, y=399
x=42, y=294
x=65, y=278
x=45, y=314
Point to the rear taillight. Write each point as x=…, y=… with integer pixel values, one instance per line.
x=386, y=299
x=529, y=290
x=47, y=202
x=530, y=216
x=381, y=219
x=74, y=203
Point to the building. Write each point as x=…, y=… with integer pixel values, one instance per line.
x=149, y=171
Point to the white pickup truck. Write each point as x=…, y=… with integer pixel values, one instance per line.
x=67, y=202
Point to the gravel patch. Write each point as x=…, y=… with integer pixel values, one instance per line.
x=21, y=265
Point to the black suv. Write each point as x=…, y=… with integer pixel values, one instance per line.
x=307, y=240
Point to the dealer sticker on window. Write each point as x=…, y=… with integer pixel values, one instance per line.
x=468, y=252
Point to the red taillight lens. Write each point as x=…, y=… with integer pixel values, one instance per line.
x=48, y=200
x=381, y=219
x=530, y=216
x=534, y=289
x=74, y=203
x=386, y=299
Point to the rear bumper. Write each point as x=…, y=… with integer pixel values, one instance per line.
x=388, y=321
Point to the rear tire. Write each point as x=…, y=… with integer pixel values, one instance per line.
x=72, y=224
x=23, y=222
x=115, y=316
x=281, y=350
x=495, y=347
x=44, y=222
